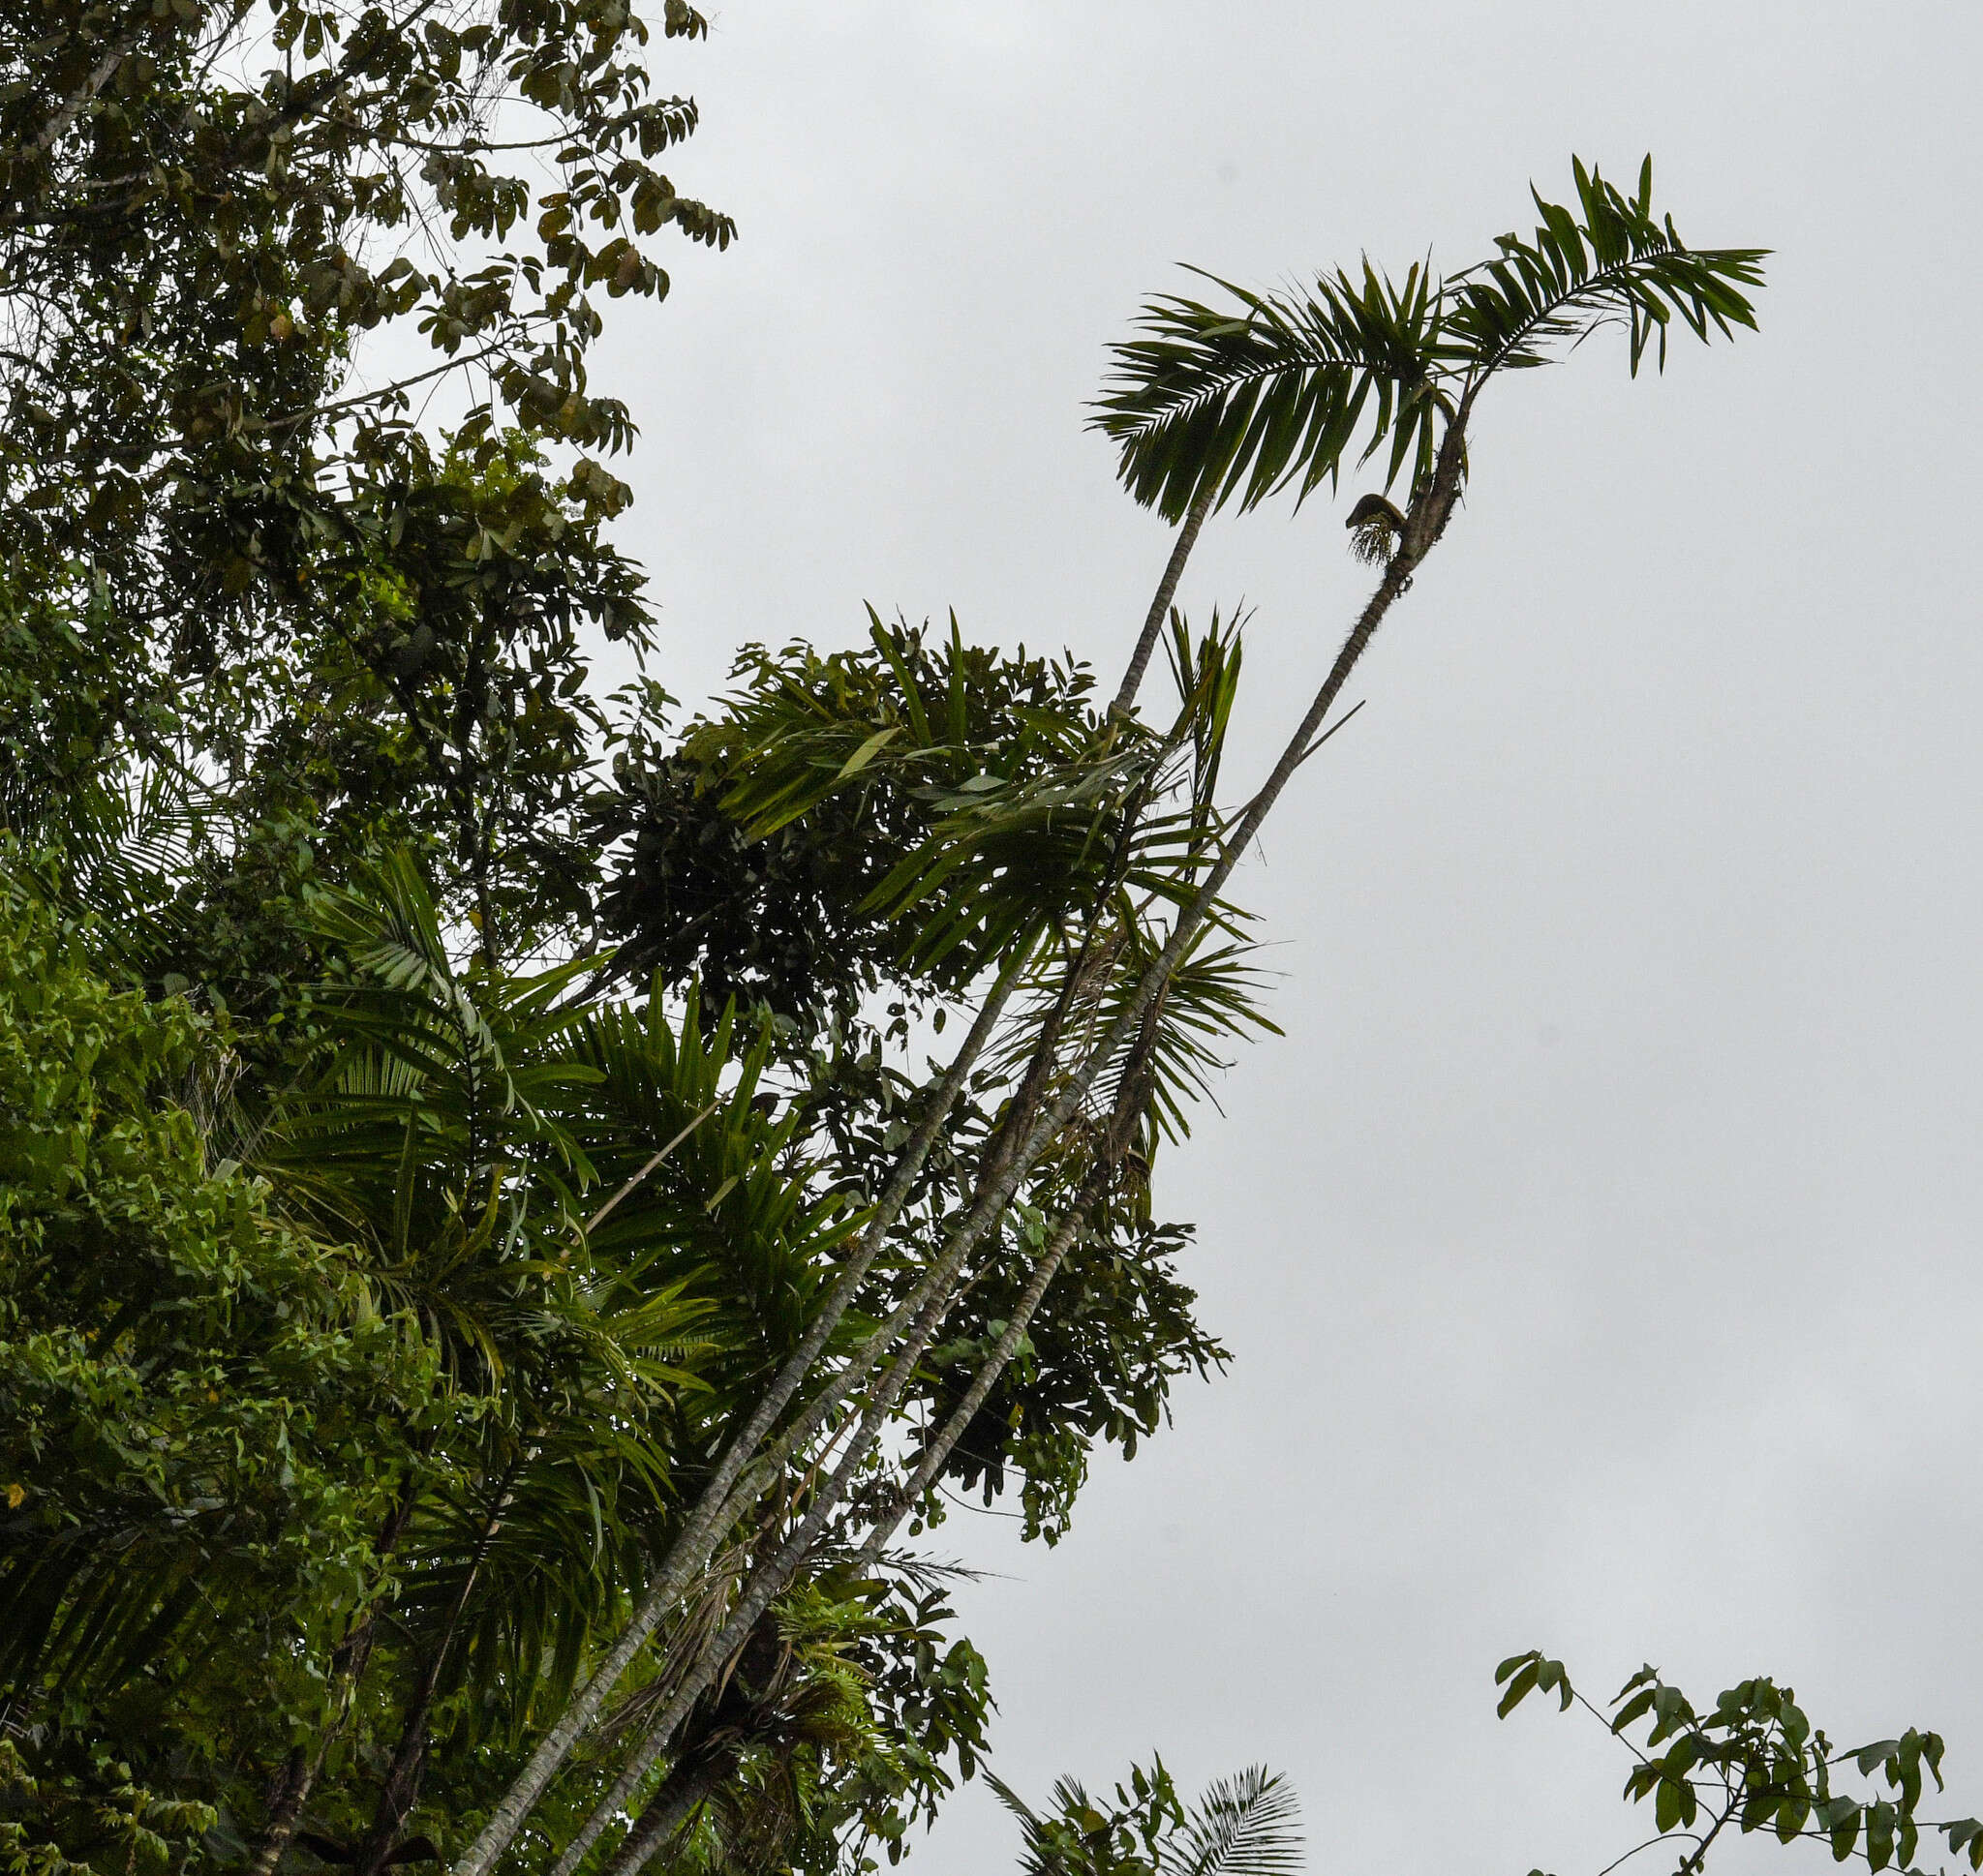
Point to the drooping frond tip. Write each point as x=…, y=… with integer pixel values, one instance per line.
x=1606, y=260
x=1261, y=392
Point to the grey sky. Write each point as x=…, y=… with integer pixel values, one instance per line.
x=1599, y=1250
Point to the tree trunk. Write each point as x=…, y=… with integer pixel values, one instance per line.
x=1160, y=607
x=1132, y=1099
x=672, y=1807
x=690, y=1551
x=1425, y=525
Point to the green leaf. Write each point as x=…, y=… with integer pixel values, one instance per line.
x=1518, y=1689
x=1879, y=1835
x=867, y=751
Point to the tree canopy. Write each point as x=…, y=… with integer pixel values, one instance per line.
x=515, y=1201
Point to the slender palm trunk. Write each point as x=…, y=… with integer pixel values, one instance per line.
x=690, y=1552
x=1160, y=606
x=771, y=1579
x=720, y=1496
x=940, y=1449
x=1131, y=1103
x=301, y=1771
x=287, y=1792
x=1428, y=521
x=681, y=1795
x=767, y=1582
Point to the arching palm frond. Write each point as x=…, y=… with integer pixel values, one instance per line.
x=736, y=1208
x=1074, y=1839
x=1617, y=264
x=1269, y=391
x=1213, y=997
x=1242, y=1826
x=1209, y=401
x=409, y=1001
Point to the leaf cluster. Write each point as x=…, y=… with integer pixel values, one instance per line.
x=1756, y=1759
x=1241, y=1826
x=1210, y=404
x=891, y=817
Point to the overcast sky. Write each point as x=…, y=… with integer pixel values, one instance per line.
x=1599, y=1250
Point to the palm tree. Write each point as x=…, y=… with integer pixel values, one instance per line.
x=1083, y=880
x=1241, y=1825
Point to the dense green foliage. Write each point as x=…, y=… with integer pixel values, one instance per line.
x=499, y=1230
x=379, y=1299
x=1756, y=1759
x=206, y=1413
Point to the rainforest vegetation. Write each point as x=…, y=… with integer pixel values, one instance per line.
x=521, y=1202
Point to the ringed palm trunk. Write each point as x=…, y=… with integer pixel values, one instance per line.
x=705, y=1527
x=691, y=1549
x=1425, y=524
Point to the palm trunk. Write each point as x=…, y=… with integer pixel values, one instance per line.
x=300, y=1772
x=1160, y=607
x=771, y=1579
x=718, y=1499
x=690, y=1551
x=765, y=1583
x=1427, y=523
x=1024, y=1105
x=1131, y=1102
x=940, y=1449
x=681, y=1795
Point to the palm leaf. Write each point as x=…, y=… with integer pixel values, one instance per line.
x=1213, y=402
x=1613, y=265
x=1210, y=403
x=1243, y=1825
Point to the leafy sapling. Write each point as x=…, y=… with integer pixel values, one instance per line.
x=1755, y=1760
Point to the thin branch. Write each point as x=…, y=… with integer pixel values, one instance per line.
x=605, y=1211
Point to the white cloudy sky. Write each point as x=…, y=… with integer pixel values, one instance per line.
x=1599, y=1248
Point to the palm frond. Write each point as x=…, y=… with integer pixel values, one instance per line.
x=1614, y=265
x=1242, y=1826
x=1210, y=403
x=1213, y=402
